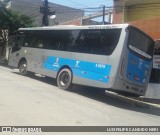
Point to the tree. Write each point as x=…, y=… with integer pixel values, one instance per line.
x=10, y=21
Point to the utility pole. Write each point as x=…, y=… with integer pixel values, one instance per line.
x=45, y=11
x=104, y=14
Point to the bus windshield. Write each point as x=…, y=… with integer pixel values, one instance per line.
x=140, y=43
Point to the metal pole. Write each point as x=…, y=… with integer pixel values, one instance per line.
x=45, y=21
x=109, y=14
x=104, y=15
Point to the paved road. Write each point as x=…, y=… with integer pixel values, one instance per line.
x=37, y=101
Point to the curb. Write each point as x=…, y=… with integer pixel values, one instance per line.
x=132, y=101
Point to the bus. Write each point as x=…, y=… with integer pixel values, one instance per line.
x=114, y=57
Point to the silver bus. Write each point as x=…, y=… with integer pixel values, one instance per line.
x=115, y=57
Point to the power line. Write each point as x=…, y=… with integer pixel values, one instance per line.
x=95, y=2
x=100, y=3
x=77, y=3
x=89, y=3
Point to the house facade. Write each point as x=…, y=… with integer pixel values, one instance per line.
x=144, y=14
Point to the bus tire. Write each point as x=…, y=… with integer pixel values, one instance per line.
x=23, y=68
x=64, y=79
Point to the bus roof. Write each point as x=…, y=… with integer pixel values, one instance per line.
x=72, y=27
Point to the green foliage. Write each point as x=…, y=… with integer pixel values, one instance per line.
x=12, y=20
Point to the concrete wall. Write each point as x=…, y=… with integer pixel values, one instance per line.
x=153, y=91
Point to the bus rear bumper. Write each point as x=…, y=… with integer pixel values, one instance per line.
x=135, y=89
x=124, y=86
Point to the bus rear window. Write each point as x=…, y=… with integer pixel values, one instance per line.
x=141, y=43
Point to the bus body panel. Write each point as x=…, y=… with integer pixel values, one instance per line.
x=115, y=59
x=49, y=62
x=13, y=59
x=88, y=70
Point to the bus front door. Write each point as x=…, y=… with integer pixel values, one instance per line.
x=15, y=51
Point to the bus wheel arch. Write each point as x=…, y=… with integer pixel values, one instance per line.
x=22, y=66
x=64, y=78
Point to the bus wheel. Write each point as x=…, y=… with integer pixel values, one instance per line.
x=64, y=79
x=23, y=68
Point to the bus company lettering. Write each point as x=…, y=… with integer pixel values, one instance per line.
x=140, y=65
x=100, y=66
x=56, y=64
x=77, y=62
x=102, y=27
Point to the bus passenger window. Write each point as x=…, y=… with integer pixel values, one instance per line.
x=18, y=43
x=26, y=44
x=33, y=42
x=40, y=44
x=110, y=41
x=59, y=46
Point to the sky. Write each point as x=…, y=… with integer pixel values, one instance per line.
x=83, y=3
x=90, y=6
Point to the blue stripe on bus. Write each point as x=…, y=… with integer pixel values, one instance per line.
x=84, y=69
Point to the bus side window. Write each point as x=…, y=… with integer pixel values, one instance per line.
x=18, y=43
x=79, y=42
x=33, y=42
x=92, y=43
x=110, y=40
x=78, y=45
x=40, y=44
x=29, y=40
